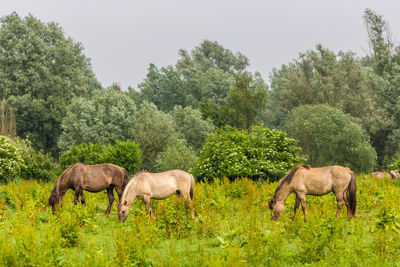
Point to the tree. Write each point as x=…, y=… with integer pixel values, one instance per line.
x=7, y=121
x=381, y=45
x=191, y=125
x=152, y=130
x=177, y=155
x=41, y=70
x=383, y=64
x=108, y=114
x=204, y=74
x=322, y=77
x=329, y=137
x=246, y=99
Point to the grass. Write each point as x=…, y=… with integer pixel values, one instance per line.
x=232, y=228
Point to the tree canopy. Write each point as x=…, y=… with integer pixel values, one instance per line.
x=41, y=71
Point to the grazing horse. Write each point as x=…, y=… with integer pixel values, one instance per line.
x=394, y=174
x=92, y=178
x=146, y=185
x=304, y=180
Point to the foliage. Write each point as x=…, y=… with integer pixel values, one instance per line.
x=153, y=130
x=383, y=64
x=7, y=121
x=232, y=227
x=38, y=165
x=20, y=160
x=330, y=137
x=259, y=153
x=125, y=154
x=203, y=74
x=177, y=156
x=85, y=153
x=41, y=70
x=192, y=126
x=107, y=114
x=11, y=159
x=246, y=99
x=323, y=77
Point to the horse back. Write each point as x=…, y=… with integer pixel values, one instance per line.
x=95, y=178
x=321, y=181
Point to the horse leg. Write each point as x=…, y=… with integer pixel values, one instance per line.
x=188, y=200
x=119, y=191
x=83, y=201
x=146, y=200
x=110, y=199
x=296, y=206
x=76, y=199
x=339, y=199
x=347, y=202
x=302, y=198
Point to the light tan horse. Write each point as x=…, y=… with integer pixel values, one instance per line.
x=92, y=178
x=394, y=174
x=304, y=180
x=146, y=185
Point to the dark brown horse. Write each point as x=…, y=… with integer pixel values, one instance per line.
x=92, y=178
x=304, y=180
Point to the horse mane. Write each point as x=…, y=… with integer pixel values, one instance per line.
x=55, y=193
x=288, y=177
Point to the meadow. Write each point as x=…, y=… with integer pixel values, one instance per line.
x=232, y=228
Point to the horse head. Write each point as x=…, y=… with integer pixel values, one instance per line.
x=395, y=174
x=123, y=210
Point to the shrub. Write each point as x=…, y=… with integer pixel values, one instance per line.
x=259, y=153
x=85, y=153
x=38, y=165
x=11, y=160
x=177, y=156
x=125, y=154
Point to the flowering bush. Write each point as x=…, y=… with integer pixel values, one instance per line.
x=259, y=153
x=11, y=160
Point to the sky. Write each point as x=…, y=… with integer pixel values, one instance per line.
x=122, y=37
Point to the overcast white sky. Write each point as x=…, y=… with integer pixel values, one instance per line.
x=122, y=37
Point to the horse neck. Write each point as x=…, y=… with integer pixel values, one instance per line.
x=282, y=193
x=129, y=193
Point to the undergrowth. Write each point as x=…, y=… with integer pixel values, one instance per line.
x=232, y=227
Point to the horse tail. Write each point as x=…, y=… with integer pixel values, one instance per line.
x=191, y=187
x=352, y=194
x=126, y=179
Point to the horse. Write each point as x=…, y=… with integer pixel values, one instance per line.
x=146, y=185
x=394, y=174
x=92, y=178
x=304, y=180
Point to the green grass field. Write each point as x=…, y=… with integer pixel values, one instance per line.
x=232, y=228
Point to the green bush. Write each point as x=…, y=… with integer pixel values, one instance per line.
x=177, y=156
x=125, y=154
x=38, y=165
x=85, y=153
x=19, y=159
x=259, y=153
x=11, y=160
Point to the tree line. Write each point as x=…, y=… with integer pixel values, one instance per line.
x=341, y=108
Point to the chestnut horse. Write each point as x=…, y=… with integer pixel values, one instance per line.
x=304, y=180
x=146, y=185
x=92, y=178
